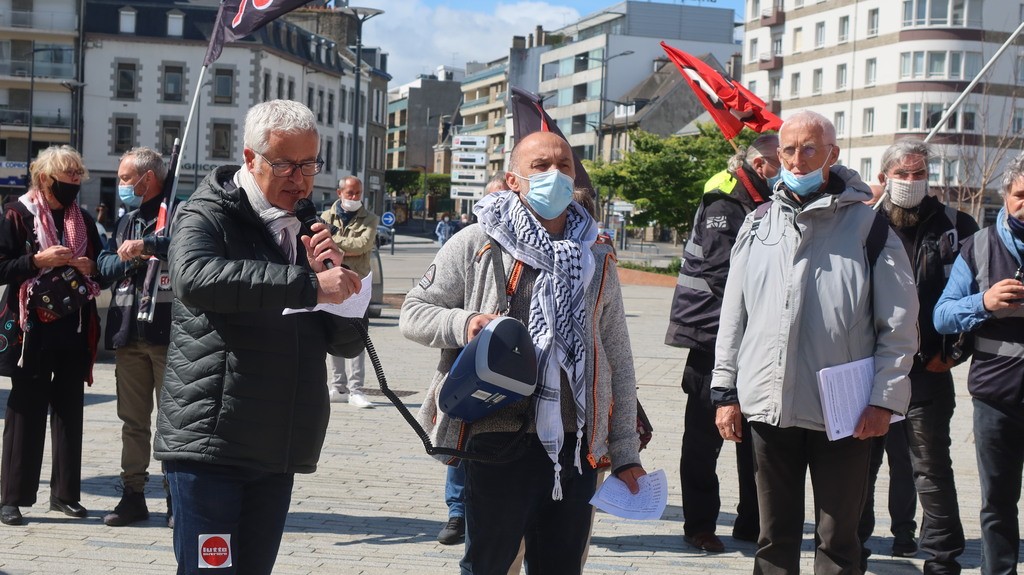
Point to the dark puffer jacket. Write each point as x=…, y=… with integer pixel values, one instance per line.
x=245, y=386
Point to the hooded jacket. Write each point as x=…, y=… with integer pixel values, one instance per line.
x=800, y=297
x=245, y=385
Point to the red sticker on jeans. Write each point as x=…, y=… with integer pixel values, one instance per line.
x=215, y=551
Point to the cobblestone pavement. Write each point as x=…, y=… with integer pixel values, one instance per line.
x=376, y=503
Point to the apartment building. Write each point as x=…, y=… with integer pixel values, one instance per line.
x=40, y=82
x=882, y=70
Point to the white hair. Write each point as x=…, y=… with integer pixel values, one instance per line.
x=809, y=118
x=1014, y=171
x=282, y=116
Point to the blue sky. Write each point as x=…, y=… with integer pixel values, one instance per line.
x=420, y=35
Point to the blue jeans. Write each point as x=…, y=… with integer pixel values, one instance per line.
x=997, y=432
x=454, y=490
x=250, y=506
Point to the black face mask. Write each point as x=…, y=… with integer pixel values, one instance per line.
x=64, y=192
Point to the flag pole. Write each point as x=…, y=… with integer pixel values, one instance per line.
x=735, y=148
x=184, y=138
x=963, y=95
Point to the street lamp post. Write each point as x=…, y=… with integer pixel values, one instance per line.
x=31, y=102
x=361, y=15
x=600, y=119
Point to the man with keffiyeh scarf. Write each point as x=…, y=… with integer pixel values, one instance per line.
x=567, y=293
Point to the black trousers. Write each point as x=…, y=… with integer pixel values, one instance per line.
x=839, y=478
x=509, y=502
x=59, y=389
x=902, y=493
x=698, y=460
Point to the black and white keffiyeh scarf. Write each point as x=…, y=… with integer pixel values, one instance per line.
x=557, y=307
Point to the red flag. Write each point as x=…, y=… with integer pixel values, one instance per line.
x=731, y=105
x=237, y=19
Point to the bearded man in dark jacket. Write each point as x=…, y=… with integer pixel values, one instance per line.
x=244, y=404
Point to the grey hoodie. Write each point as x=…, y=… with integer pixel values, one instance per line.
x=800, y=298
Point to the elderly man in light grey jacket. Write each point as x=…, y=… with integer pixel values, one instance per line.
x=803, y=295
x=536, y=256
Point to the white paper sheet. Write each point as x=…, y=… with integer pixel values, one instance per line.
x=354, y=306
x=614, y=497
x=845, y=391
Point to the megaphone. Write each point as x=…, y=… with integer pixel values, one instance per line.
x=497, y=368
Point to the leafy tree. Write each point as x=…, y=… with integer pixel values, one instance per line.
x=664, y=176
x=403, y=181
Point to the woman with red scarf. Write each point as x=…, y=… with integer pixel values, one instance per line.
x=49, y=344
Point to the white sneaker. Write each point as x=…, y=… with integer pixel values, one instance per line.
x=357, y=399
x=338, y=396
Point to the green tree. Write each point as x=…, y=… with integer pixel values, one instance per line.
x=403, y=181
x=664, y=176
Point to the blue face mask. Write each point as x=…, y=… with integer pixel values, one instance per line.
x=806, y=184
x=774, y=180
x=549, y=193
x=1016, y=226
x=126, y=193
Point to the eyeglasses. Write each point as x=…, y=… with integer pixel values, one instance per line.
x=286, y=169
x=73, y=172
x=807, y=151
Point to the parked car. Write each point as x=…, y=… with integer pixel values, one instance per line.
x=384, y=236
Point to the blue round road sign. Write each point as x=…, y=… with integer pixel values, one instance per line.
x=388, y=219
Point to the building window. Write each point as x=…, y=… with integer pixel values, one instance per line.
x=1017, y=124
x=942, y=13
x=816, y=79
x=280, y=88
x=126, y=22
x=798, y=40
x=752, y=86
x=869, y=121
x=173, y=84
x=794, y=85
x=752, y=50
x=223, y=86
x=266, y=86
x=329, y=156
x=320, y=106
x=127, y=79
x=872, y=22
x=170, y=130
x=819, y=35
x=774, y=88
x=840, y=77
x=870, y=71
x=330, y=109
x=221, y=140
x=342, y=104
x=341, y=153
x=124, y=134
x=936, y=64
x=840, y=123
x=844, y=29
x=175, y=24
x=291, y=89
x=865, y=169
x=799, y=3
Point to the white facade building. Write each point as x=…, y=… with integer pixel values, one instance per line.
x=883, y=70
x=142, y=64
x=613, y=50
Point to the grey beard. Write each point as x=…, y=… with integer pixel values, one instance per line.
x=900, y=217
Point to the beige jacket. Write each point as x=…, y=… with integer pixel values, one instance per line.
x=356, y=239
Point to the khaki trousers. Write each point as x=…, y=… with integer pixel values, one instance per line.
x=140, y=376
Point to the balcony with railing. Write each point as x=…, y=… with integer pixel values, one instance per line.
x=9, y=117
x=476, y=102
x=22, y=68
x=773, y=15
x=39, y=20
x=769, y=61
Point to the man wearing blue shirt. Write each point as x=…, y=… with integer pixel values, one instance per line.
x=984, y=296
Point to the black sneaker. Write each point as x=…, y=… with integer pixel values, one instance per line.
x=131, y=509
x=904, y=544
x=453, y=532
x=11, y=515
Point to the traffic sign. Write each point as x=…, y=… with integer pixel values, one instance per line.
x=469, y=142
x=388, y=219
x=469, y=158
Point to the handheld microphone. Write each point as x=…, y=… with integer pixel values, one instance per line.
x=305, y=212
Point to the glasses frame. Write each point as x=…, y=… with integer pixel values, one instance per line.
x=810, y=156
x=288, y=168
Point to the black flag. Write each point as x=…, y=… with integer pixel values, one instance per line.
x=528, y=116
x=238, y=18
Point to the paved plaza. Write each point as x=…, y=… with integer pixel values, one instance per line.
x=376, y=503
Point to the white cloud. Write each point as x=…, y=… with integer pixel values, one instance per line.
x=418, y=37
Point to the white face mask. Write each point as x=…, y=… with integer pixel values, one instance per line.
x=906, y=193
x=351, y=205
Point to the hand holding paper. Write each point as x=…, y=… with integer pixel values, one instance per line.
x=613, y=496
x=355, y=306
